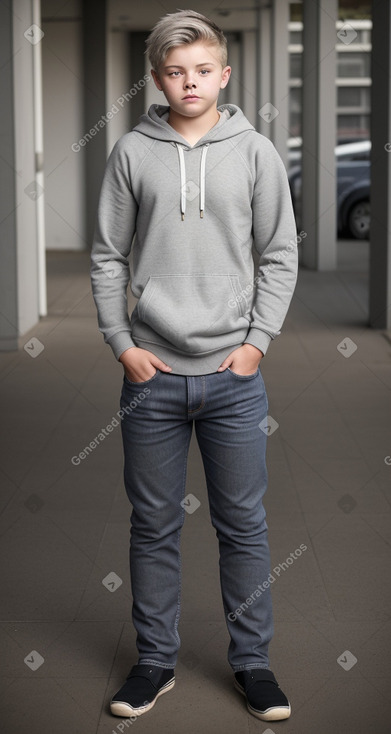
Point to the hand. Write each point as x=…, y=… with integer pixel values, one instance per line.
x=243, y=361
x=139, y=364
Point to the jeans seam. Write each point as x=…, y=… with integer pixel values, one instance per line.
x=202, y=403
x=178, y=611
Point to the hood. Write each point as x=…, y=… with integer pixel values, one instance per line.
x=154, y=125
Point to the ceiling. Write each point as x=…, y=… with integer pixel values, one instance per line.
x=228, y=14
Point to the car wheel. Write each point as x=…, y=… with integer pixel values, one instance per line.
x=359, y=220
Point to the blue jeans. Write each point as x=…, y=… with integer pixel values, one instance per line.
x=226, y=409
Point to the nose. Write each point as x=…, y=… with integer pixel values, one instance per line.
x=189, y=82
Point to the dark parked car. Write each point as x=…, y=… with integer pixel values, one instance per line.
x=353, y=169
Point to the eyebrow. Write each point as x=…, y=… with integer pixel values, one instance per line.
x=176, y=66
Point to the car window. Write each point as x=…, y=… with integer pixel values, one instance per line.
x=361, y=156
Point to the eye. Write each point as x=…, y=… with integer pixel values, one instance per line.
x=173, y=73
x=204, y=71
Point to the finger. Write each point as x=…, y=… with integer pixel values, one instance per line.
x=159, y=364
x=224, y=365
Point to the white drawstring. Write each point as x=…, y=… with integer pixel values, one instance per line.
x=183, y=179
x=202, y=179
x=183, y=185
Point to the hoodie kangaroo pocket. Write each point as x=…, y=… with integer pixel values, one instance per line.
x=194, y=313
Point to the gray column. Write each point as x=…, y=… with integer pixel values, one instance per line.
x=272, y=39
x=19, y=309
x=263, y=61
x=231, y=93
x=248, y=76
x=137, y=65
x=279, y=67
x=95, y=102
x=319, y=134
x=380, y=237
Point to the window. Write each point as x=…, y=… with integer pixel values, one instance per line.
x=295, y=64
x=353, y=64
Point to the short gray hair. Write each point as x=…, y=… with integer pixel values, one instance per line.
x=181, y=27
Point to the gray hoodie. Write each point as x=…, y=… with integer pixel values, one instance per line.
x=179, y=222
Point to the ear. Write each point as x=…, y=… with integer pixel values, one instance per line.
x=156, y=80
x=225, y=75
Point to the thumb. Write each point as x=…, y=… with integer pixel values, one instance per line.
x=224, y=364
x=161, y=365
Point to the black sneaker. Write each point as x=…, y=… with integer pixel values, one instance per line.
x=265, y=699
x=143, y=686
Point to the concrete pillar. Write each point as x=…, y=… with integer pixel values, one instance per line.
x=272, y=62
x=231, y=93
x=279, y=68
x=380, y=237
x=137, y=65
x=39, y=158
x=319, y=134
x=118, y=85
x=19, y=290
x=248, y=76
x=95, y=102
x=263, y=61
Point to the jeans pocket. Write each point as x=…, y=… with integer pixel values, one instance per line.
x=143, y=382
x=244, y=377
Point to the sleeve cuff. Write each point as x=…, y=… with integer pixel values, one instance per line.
x=258, y=339
x=120, y=341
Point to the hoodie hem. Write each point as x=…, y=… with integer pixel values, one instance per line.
x=190, y=365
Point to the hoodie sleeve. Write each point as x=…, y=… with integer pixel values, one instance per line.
x=275, y=240
x=114, y=229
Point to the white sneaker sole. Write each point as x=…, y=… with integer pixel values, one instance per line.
x=276, y=713
x=121, y=708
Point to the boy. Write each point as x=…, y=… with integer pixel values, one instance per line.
x=187, y=194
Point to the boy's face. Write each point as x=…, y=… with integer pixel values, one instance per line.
x=191, y=77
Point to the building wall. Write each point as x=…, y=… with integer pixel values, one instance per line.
x=353, y=81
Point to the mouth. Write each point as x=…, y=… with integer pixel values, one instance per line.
x=191, y=96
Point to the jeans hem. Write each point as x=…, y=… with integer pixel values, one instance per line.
x=157, y=663
x=249, y=666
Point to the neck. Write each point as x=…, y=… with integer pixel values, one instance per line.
x=193, y=126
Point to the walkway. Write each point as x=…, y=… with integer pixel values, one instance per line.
x=65, y=528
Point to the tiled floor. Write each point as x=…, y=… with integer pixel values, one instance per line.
x=64, y=528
